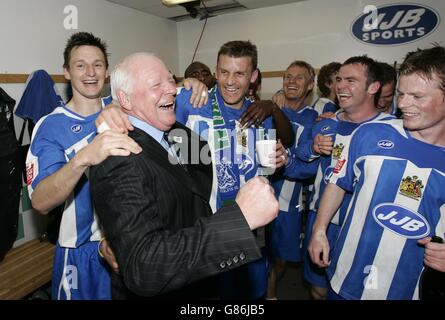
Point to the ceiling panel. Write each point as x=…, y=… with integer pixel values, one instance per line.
x=215, y=7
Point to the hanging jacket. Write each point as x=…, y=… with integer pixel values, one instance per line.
x=40, y=97
x=10, y=173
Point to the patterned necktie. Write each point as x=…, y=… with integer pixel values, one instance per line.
x=173, y=151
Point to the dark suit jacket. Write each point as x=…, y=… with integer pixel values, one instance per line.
x=158, y=221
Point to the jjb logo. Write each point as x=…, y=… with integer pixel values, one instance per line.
x=325, y=128
x=401, y=220
x=385, y=144
x=394, y=24
x=76, y=128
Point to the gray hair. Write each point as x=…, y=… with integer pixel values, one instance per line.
x=121, y=77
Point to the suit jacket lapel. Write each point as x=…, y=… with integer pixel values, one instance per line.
x=158, y=154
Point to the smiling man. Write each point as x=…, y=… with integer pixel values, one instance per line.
x=286, y=232
x=63, y=147
x=154, y=212
x=356, y=85
x=395, y=174
x=233, y=146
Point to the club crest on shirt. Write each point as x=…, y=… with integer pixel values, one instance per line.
x=337, y=150
x=226, y=177
x=241, y=137
x=411, y=187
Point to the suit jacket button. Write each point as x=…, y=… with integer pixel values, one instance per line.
x=235, y=259
x=229, y=262
x=242, y=256
x=222, y=265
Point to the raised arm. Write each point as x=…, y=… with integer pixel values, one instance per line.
x=154, y=258
x=261, y=110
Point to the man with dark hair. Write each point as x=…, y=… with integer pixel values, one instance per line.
x=233, y=146
x=63, y=147
x=389, y=81
x=238, y=49
x=326, y=79
x=201, y=72
x=356, y=85
x=394, y=170
x=83, y=39
x=261, y=110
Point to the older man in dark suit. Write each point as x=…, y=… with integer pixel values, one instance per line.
x=154, y=206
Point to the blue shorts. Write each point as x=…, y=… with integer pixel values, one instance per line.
x=285, y=242
x=80, y=274
x=332, y=295
x=312, y=273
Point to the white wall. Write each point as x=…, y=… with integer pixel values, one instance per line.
x=35, y=35
x=317, y=31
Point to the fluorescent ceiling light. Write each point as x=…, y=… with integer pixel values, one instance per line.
x=174, y=2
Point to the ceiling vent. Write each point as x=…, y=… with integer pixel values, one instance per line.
x=196, y=10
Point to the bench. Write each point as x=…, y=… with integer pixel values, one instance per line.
x=25, y=269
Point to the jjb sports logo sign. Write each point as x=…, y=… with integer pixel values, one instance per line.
x=394, y=24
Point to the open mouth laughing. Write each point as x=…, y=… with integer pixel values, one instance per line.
x=167, y=106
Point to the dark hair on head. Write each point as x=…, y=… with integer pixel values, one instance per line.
x=194, y=65
x=254, y=86
x=426, y=62
x=324, y=77
x=238, y=49
x=374, y=73
x=389, y=74
x=83, y=39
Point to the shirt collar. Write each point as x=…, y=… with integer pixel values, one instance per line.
x=155, y=133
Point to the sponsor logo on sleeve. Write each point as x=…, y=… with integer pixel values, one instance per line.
x=401, y=220
x=29, y=173
x=325, y=128
x=394, y=24
x=328, y=174
x=76, y=128
x=339, y=165
x=385, y=144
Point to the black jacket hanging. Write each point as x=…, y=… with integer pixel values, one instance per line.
x=10, y=175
